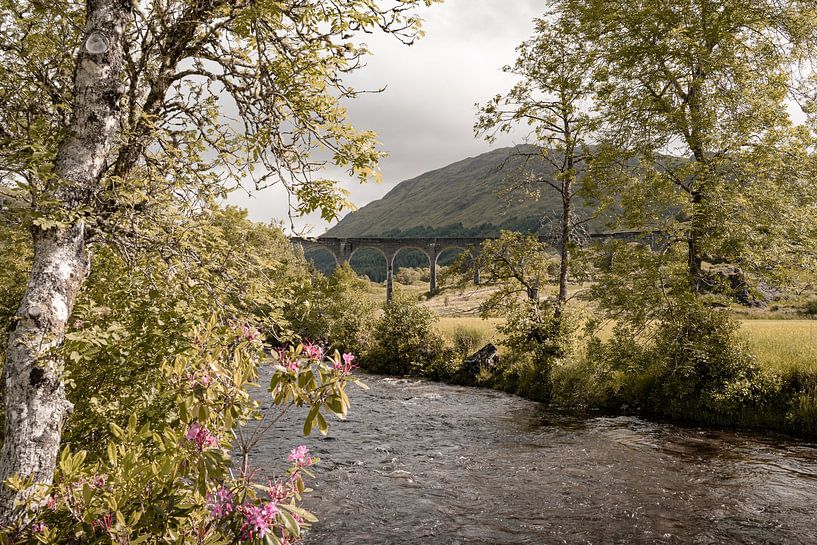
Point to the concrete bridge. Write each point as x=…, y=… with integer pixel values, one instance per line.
x=342, y=249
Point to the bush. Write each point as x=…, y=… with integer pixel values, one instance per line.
x=335, y=310
x=172, y=479
x=467, y=340
x=411, y=275
x=537, y=340
x=406, y=342
x=811, y=307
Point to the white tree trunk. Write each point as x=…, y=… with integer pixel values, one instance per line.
x=36, y=405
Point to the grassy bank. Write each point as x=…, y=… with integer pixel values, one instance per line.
x=784, y=345
x=695, y=368
x=779, y=392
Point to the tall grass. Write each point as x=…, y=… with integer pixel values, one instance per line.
x=785, y=345
x=448, y=326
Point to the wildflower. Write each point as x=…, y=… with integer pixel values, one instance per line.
x=199, y=378
x=313, y=351
x=51, y=502
x=249, y=332
x=105, y=522
x=277, y=492
x=300, y=456
x=258, y=520
x=99, y=481
x=220, y=503
x=199, y=435
x=39, y=528
x=346, y=366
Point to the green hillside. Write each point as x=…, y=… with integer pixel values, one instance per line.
x=466, y=198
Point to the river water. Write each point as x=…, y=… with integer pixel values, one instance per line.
x=426, y=463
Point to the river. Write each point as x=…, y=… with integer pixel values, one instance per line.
x=425, y=463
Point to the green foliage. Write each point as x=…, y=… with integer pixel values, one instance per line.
x=157, y=478
x=537, y=340
x=694, y=101
x=467, y=340
x=336, y=310
x=409, y=276
x=15, y=254
x=134, y=314
x=520, y=265
x=406, y=342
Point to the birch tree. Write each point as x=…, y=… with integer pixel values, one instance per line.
x=113, y=112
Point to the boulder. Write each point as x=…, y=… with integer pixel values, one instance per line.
x=486, y=358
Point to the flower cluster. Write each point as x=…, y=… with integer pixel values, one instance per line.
x=199, y=378
x=220, y=503
x=249, y=332
x=313, y=351
x=105, y=522
x=300, y=456
x=291, y=364
x=345, y=365
x=199, y=435
x=258, y=520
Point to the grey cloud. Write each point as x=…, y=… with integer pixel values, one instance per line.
x=425, y=116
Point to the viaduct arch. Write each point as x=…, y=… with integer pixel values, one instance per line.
x=343, y=248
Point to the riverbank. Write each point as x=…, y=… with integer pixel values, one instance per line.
x=763, y=375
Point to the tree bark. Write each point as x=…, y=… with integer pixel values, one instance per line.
x=567, y=227
x=36, y=404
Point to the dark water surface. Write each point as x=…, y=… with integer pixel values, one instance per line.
x=426, y=463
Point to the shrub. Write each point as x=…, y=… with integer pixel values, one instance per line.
x=406, y=342
x=811, y=307
x=537, y=339
x=467, y=340
x=169, y=479
x=335, y=310
x=409, y=276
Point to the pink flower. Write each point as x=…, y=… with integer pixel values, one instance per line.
x=39, y=528
x=220, y=503
x=300, y=456
x=258, y=520
x=277, y=492
x=313, y=351
x=199, y=435
x=104, y=522
x=99, y=481
x=346, y=367
x=198, y=378
x=249, y=332
x=51, y=503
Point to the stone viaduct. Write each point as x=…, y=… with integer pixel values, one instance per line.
x=342, y=249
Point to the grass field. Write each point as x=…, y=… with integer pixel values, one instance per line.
x=783, y=344
x=778, y=344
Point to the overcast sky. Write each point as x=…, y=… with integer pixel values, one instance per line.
x=425, y=116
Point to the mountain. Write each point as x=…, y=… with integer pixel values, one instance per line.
x=466, y=198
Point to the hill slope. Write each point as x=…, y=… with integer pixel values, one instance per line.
x=461, y=199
